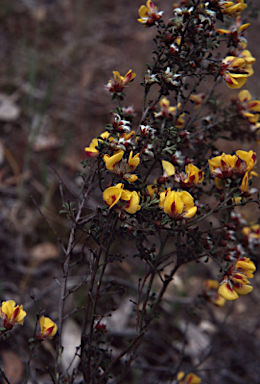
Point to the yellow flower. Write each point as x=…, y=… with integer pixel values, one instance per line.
x=232, y=9
x=177, y=204
x=48, y=329
x=249, y=60
x=122, y=168
x=248, y=157
x=118, y=83
x=132, y=203
x=133, y=162
x=191, y=378
x=247, y=106
x=92, y=151
x=112, y=195
x=111, y=161
x=12, y=314
x=235, y=281
x=233, y=71
x=194, y=175
x=169, y=112
x=148, y=14
x=222, y=166
x=126, y=200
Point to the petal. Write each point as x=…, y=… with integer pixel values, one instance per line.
x=243, y=289
x=168, y=168
x=133, y=204
x=227, y=292
x=244, y=96
x=111, y=161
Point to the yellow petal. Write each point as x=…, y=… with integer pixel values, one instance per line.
x=227, y=292
x=168, y=168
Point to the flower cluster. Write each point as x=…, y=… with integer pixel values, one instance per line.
x=241, y=165
x=235, y=281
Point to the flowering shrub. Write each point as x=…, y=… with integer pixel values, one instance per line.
x=164, y=185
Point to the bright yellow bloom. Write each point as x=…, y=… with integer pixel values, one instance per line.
x=248, y=157
x=121, y=167
x=133, y=162
x=48, y=328
x=177, y=204
x=249, y=60
x=112, y=195
x=219, y=301
x=111, y=161
x=191, y=378
x=222, y=166
x=232, y=8
x=148, y=14
x=194, y=175
x=235, y=282
x=233, y=71
x=126, y=200
x=92, y=151
x=118, y=83
x=235, y=30
x=12, y=314
x=132, y=203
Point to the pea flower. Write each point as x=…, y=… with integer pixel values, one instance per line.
x=223, y=166
x=191, y=378
x=246, y=167
x=168, y=112
x=118, y=83
x=48, y=329
x=191, y=177
x=235, y=281
x=233, y=71
x=235, y=32
x=177, y=204
x=148, y=14
x=92, y=150
x=12, y=314
x=121, y=167
x=125, y=200
x=246, y=107
x=231, y=8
